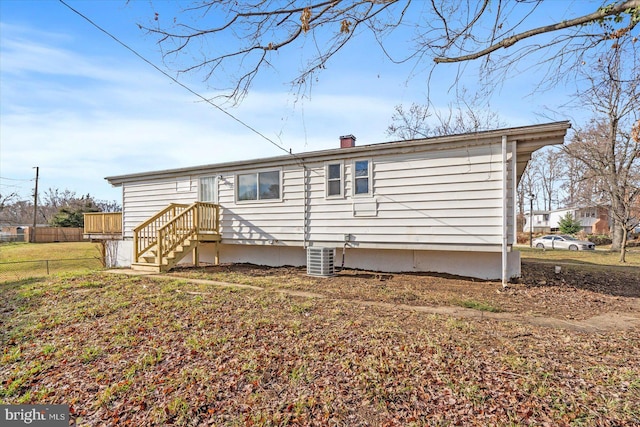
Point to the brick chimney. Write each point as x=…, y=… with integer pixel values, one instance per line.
x=347, y=141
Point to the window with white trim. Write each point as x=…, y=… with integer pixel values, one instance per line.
x=258, y=186
x=334, y=176
x=361, y=177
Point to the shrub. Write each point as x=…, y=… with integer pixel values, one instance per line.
x=522, y=238
x=599, y=239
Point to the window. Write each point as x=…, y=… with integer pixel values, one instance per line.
x=259, y=186
x=207, y=189
x=362, y=177
x=334, y=180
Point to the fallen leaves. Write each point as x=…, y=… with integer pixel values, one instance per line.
x=213, y=356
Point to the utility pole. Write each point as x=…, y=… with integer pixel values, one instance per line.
x=35, y=207
x=531, y=196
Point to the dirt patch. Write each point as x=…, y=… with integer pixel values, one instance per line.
x=606, y=297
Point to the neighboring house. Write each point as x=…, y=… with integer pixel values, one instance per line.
x=14, y=234
x=540, y=222
x=594, y=219
x=441, y=204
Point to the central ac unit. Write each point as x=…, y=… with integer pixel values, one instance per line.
x=320, y=261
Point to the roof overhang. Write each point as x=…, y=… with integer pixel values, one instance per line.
x=528, y=139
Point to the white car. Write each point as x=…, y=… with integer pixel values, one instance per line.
x=562, y=241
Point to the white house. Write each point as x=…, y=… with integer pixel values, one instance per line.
x=540, y=223
x=443, y=204
x=593, y=219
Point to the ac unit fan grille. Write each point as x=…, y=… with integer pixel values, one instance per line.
x=320, y=261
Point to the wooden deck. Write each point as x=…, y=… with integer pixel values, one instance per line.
x=103, y=225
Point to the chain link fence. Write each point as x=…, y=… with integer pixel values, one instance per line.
x=19, y=270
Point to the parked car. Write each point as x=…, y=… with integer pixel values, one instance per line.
x=562, y=241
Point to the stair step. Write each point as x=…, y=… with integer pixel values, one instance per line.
x=146, y=266
x=148, y=261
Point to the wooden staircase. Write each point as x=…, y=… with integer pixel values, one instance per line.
x=166, y=238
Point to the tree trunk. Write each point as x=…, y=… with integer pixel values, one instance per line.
x=617, y=233
x=618, y=230
x=623, y=247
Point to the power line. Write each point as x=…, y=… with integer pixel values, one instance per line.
x=176, y=81
x=11, y=186
x=15, y=179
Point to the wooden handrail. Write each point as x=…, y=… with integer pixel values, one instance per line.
x=171, y=207
x=145, y=234
x=178, y=225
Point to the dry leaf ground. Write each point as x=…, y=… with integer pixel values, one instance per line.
x=143, y=351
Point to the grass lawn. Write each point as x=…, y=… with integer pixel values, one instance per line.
x=597, y=257
x=140, y=351
x=29, y=259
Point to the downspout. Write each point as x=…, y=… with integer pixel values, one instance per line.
x=305, y=228
x=505, y=209
x=514, y=193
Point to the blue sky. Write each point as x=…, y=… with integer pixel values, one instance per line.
x=82, y=107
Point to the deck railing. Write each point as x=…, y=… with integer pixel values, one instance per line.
x=103, y=223
x=196, y=219
x=173, y=225
x=145, y=235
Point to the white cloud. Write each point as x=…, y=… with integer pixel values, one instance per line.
x=81, y=118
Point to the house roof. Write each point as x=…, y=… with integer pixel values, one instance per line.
x=527, y=138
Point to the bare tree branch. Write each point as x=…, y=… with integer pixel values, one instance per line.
x=606, y=146
x=232, y=41
x=615, y=9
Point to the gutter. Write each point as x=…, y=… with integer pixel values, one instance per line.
x=505, y=209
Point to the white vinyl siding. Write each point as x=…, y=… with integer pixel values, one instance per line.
x=141, y=200
x=446, y=197
x=270, y=222
x=422, y=200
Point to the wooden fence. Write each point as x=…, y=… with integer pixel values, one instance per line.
x=56, y=234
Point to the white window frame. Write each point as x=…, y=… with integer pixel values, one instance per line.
x=257, y=174
x=214, y=187
x=327, y=180
x=369, y=193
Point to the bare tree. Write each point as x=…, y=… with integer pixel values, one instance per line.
x=108, y=205
x=527, y=191
x=527, y=187
x=548, y=172
x=411, y=123
x=18, y=212
x=232, y=41
x=54, y=200
x=575, y=188
x=7, y=199
x=467, y=115
x=608, y=146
